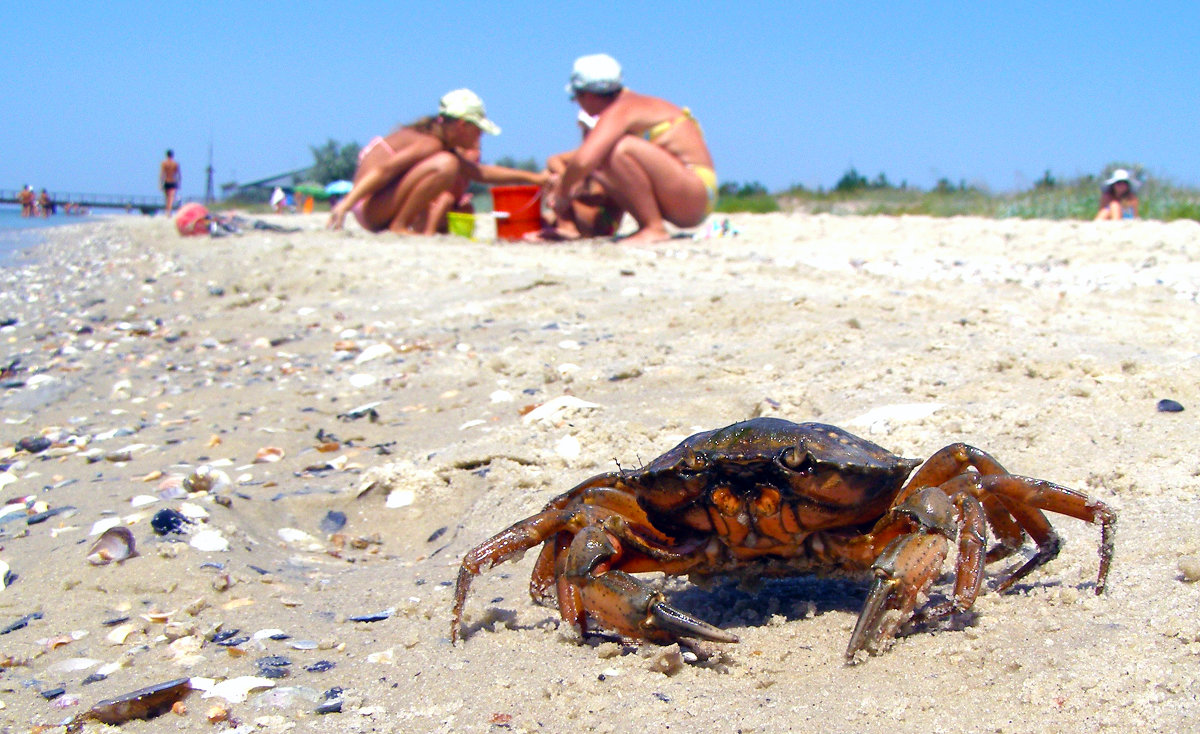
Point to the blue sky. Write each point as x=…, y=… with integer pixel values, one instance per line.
x=989, y=93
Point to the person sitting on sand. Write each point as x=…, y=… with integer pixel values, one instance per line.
x=647, y=153
x=593, y=212
x=1118, y=198
x=400, y=175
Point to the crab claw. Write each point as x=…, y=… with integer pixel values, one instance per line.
x=621, y=602
x=903, y=572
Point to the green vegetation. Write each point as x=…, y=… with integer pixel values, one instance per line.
x=748, y=197
x=333, y=162
x=1050, y=198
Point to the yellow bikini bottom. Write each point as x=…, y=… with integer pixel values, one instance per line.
x=709, y=177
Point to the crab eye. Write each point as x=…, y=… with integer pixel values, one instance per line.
x=693, y=461
x=793, y=458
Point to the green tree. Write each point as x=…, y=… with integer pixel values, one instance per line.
x=334, y=162
x=851, y=181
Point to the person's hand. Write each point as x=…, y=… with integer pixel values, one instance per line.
x=336, y=217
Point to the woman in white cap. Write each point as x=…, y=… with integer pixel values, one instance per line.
x=647, y=153
x=402, y=178
x=1118, y=197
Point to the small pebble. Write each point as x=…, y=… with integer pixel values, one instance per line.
x=333, y=521
x=1190, y=568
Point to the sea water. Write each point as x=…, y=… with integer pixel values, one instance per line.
x=18, y=233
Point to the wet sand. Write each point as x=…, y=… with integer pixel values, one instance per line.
x=390, y=380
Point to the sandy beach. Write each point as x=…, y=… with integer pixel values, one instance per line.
x=323, y=423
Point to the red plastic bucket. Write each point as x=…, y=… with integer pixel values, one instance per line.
x=518, y=210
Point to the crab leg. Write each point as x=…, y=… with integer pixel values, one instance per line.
x=617, y=599
x=910, y=563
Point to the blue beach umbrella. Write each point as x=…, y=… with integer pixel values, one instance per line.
x=338, y=188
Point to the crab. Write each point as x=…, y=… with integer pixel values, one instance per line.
x=768, y=497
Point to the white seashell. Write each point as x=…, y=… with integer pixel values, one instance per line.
x=567, y=447
x=209, y=540
x=120, y=633
x=7, y=478
x=72, y=665
x=375, y=351
x=502, y=396
x=552, y=410
x=236, y=690
x=472, y=424
x=293, y=535
x=101, y=525
x=268, y=455
x=362, y=380
x=114, y=544
x=569, y=344
x=267, y=634
x=192, y=511
x=400, y=498
x=387, y=657
x=142, y=500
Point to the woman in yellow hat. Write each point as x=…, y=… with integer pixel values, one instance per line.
x=402, y=178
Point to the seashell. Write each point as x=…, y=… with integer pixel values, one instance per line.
x=101, y=525
x=400, y=498
x=268, y=455
x=121, y=633
x=501, y=396
x=5, y=575
x=167, y=521
x=551, y=410
x=237, y=690
x=114, y=544
x=333, y=521
x=209, y=540
x=375, y=351
x=206, y=479
x=192, y=511
x=142, y=500
x=386, y=657
x=72, y=665
x=293, y=535
x=362, y=379
x=144, y=703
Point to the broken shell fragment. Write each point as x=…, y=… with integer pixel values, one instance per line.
x=206, y=479
x=114, y=544
x=144, y=703
x=209, y=540
x=268, y=455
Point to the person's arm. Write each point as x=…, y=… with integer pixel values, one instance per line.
x=380, y=176
x=611, y=127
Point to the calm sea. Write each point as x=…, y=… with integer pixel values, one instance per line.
x=18, y=233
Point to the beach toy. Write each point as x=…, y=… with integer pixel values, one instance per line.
x=518, y=210
x=460, y=224
x=192, y=219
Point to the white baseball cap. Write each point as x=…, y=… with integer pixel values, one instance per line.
x=463, y=104
x=597, y=73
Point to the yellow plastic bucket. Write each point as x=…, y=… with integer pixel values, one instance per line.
x=460, y=224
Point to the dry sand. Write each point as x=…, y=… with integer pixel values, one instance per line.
x=144, y=356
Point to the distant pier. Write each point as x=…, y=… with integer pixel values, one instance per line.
x=144, y=204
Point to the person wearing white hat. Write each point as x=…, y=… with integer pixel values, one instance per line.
x=647, y=153
x=404, y=179
x=1118, y=196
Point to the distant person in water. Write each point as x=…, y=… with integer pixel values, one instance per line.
x=647, y=153
x=403, y=175
x=1118, y=196
x=593, y=212
x=169, y=178
x=26, y=200
x=46, y=204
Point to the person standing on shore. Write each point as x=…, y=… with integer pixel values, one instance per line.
x=647, y=153
x=401, y=174
x=169, y=178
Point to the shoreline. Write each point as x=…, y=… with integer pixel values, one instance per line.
x=360, y=404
